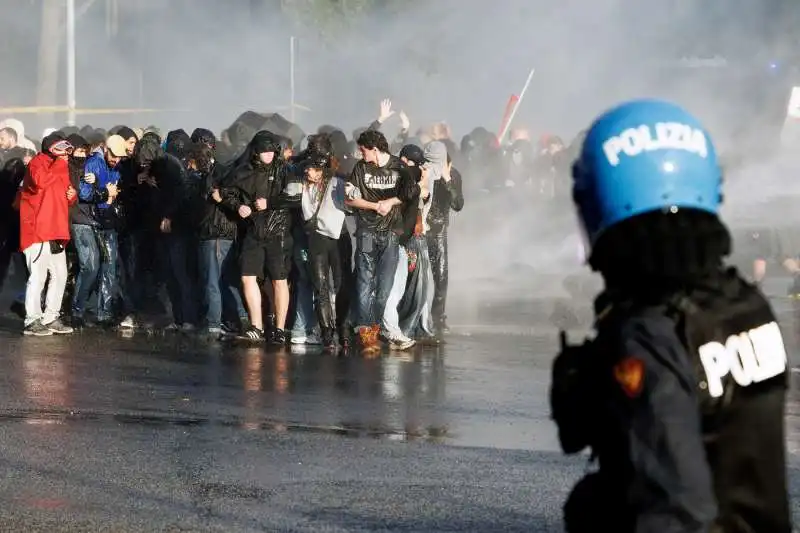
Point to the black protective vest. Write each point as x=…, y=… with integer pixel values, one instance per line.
x=741, y=372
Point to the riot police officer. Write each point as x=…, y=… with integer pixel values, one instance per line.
x=680, y=395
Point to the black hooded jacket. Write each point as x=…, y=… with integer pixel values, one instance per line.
x=11, y=176
x=214, y=220
x=167, y=197
x=445, y=196
x=249, y=180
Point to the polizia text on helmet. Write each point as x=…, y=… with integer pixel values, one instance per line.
x=672, y=135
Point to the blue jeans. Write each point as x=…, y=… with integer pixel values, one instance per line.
x=85, y=240
x=219, y=276
x=377, y=255
x=175, y=251
x=108, y=286
x=305, y=321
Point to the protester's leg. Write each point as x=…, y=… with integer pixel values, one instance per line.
x=57, y=268
x=37, y=257
x=88, y=267
x=391, y=320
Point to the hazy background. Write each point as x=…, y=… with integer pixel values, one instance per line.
x=203, y=62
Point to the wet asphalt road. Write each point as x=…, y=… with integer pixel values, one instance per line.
x=172, y=433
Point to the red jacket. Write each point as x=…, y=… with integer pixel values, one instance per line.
x=44, y=208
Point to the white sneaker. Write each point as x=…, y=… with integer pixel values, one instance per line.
x=401, y=343
x=187, y=328
x=306, y=339
x=128, y=322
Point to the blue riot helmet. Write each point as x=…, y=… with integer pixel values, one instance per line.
x=644, y=156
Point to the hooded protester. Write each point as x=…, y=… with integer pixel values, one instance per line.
x=44, y=229
x=551, y=169
x=11, y=176
x=77, y=160
x=413, y=261
x=520, y=169
x=217, y=254
x=177, y=144
x=209, y=140
x=415, y=309
x=483, y=159
x=162, y=194
x=442, y=133
x=376, y=189
x=447, y=195
x=254, y=190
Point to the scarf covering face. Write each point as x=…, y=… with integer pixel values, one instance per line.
x=436, y=159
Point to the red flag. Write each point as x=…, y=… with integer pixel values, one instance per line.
x=512, y=101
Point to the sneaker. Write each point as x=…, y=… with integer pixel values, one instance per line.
x=172, y=327
x=58, y=327
x=230, y=329
x=36, y=329
x=214, y=333
x=329, y=341
x=253, y=334
x=278, y=337
x=128, y=322
x=401, y=344
x=187, y=328
x=312, y=338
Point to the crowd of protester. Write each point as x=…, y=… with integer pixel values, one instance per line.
x=343, y=242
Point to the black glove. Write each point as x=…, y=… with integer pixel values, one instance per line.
x=573, y=394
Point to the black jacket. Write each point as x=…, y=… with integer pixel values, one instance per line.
x=245, y=184
x=80, y=212
x=213, y=220
x=128, y=204
x=446, y=196
x=11, y=176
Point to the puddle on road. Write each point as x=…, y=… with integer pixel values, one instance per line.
x=51, y=417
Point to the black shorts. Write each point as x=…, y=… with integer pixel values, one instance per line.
x=270, y=259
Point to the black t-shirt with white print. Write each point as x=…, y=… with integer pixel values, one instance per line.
x=373, y=184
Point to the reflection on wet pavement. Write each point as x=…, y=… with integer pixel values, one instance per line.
x=478, y=390
x=475, y=391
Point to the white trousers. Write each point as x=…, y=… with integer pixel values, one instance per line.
x=41, y=264
x=391, y=320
